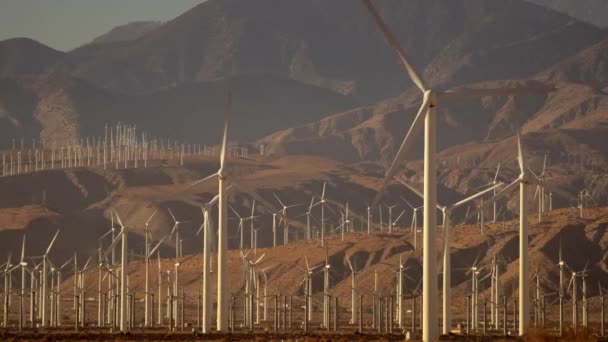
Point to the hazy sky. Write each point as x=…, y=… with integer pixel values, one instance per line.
x=66, y=24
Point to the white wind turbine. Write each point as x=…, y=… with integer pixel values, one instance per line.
x=390, y=217
x=222, y=260
x=148, y=308
x=241, y=229
x=124, y=260
x=284, y=214
x=308, y=215
x=45, y=278
x=175, y=230
x=447, y=242
x=148, y=253
x=427, y=116
x=494, y=182
x=307, y=282
x=322, y=204
x=414, y=225
x=354, y=305
x=207, y=237
x=7, y=289
x=523, y=180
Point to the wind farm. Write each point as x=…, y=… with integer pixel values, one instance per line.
x=447, y=184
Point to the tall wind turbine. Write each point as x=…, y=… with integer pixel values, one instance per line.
x=207, y=235
x=122, y=236
x=284, y=214
x=447, y=242
x=178, y=251
x=523, y=180
x=427, y=115
x=353, y=298
x=222, y=250
x=147, y=280
x=45, y=278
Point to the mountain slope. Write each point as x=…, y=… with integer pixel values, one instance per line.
x=130, y=31
x=589, y=66
x=591, y=11
x=21, y=56
x=60, y=108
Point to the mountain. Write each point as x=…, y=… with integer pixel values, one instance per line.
x=591, y=11
x=21, y=56
x=285, y=71
x=61, y=108
x=342, y=51
x=590, y=66
x=130, y=31
x=374, y=132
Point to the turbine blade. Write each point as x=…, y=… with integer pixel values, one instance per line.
x=52, y=242
x=394, y=43
x=323, y=193
x=350, y=265
x=520, y=153
x=216, y=198
x=476, y=196
x=227, y=109
x=151, y=216
x=411, y=188
x=190, y=186
x=119, y=220
x=496, y=175
x=406, y=145
x=173, y=216
x=23, y=249
x=157, y=245
x=278, y=199
x=462, y=94
x=106, y=234
x=504, y=191
x=234, y=211
x=259, y=259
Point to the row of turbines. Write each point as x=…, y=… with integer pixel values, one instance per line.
x=121, y=147
x=387, y=302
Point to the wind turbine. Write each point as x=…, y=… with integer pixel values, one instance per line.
x=447, y=242
x=353, y=290
x=414, y=225
x=222, y=259
x=390, y=217
x=7, y=280
x=124, y=260
x=307, y=281
x=308, y=214
x=523, y=180
x=322, y=203
x=427, y=115
x=147, y=280
x=149, y=253
x=44, y=279
x=241, y=229
x=178, y=250
x=494, y=182
x=207, y=237
x=284, y=214
x=23, y=265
